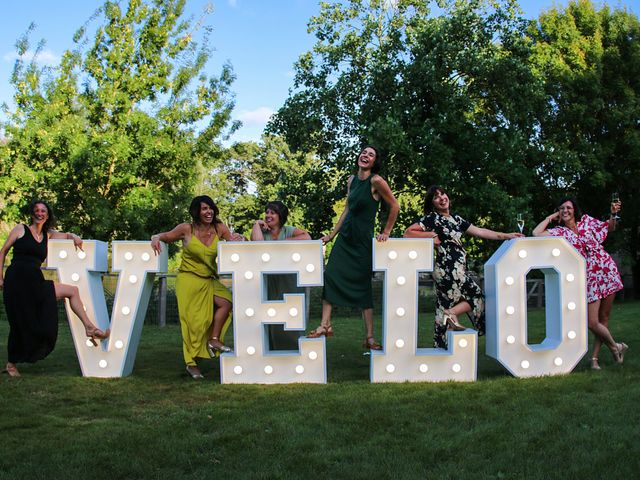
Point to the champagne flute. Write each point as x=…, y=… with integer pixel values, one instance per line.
x=230, y=221
x=615, y=198
x=520, y=220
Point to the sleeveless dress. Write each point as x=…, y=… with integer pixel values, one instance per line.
x=453, y=283
x=30, y=302
x=347, y=277
x=196, y=285
x=278, y=284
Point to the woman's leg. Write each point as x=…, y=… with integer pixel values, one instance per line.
x=325, y=328
x=220, y=315
x=606, y=304
x=598, y=329
x=369, y=341
x=73, y=294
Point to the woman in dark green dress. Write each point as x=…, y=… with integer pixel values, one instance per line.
x=273, y=228
x=347, y=277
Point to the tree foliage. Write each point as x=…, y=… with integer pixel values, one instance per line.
x=504, y=112
x=446, y=95
x=119, y=134
x=589, y=60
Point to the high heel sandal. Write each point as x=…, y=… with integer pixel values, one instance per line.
x=371, y=344
x=618, y=355
x=321, y=331
x=11, y=370
x=95, y=333
x=451, y=321
x=213, y=349
x=194, y=372
x=594, y=364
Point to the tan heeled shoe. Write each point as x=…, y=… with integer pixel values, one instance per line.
x=594, y=364
x=618, y=355
x=94, y=333
x=451, y=321
x=214, y=345
x=194, y=372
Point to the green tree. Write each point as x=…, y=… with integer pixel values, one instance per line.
x=589, y=61
x=258, y=172
x=120, y=134
x=446, y=93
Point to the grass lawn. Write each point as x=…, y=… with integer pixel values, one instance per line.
x=160, y=424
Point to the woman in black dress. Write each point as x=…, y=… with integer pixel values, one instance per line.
x=29, y=299
x=456, y=291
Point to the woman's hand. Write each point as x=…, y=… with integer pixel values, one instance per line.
x=155, y=244
x=326, y=238
x=615, y=207
x=77, y=241
x=263, y=225
x=236, y=237
x=554, y=217
x=509, y=236
x=382, y=237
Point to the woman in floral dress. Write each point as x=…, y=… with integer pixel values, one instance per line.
x=456, y=291
x=603, y=280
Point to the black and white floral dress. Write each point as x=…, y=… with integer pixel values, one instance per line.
x=453, y=284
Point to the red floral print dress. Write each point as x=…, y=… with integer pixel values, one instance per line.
x=603, y=278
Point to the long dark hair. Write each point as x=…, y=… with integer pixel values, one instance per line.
x=577, y=211
x=51, y=222
x=194, y=209
x=377, y=164
x=280, y=208
x=432, y=191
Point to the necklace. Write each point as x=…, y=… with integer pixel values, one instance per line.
x=36, y=235
x=206, y=233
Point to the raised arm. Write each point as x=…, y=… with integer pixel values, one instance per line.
x=491, y=234
x=256, y=230
x=382, y=187
x=180, y=232
x=542, y=229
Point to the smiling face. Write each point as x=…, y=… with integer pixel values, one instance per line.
x=440, y=202
x=567, y=212
x=367, y=158
x=39, y=214
x=206, y=214
x=272, y=219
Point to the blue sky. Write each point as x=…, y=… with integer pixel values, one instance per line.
x=260, y=38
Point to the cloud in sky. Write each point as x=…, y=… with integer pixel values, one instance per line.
x=259, y=116
x=233, y=3
x=45, y=57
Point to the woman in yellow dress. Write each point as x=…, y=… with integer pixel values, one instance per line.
x=204, y=304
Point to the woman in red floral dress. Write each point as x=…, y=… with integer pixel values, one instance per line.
x=603, y=280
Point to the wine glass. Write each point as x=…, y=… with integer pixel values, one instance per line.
x=520, y=220
x=230, y=221
x=615, y=198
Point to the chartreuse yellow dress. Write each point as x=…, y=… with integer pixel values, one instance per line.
x=196, y=285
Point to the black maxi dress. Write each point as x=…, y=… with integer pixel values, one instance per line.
x=30, y=302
